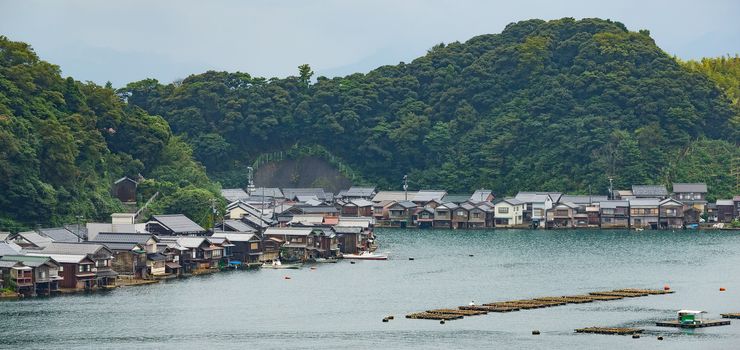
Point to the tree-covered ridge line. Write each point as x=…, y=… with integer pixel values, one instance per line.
x=64, y=142
x=545, y=105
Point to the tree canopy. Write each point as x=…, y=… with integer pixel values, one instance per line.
x=548, y=105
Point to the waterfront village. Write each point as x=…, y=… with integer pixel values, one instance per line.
x=281, y=228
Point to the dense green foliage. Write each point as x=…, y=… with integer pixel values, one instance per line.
x=558, y=105
x=63, y=143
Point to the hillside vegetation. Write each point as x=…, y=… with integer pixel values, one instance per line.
x=557, y=105
x=64, y=142
x=546, y=105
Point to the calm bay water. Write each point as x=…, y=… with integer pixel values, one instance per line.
x=341, y=305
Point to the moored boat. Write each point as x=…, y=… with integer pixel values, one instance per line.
x=279, y=265
x=365, y=255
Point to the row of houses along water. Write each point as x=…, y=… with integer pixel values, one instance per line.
x=642, y=206
x=301, y=224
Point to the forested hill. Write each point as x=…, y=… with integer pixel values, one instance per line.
x=547, y=105
x=63, y=143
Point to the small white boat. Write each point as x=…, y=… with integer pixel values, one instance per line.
x=639, y=229
x=365, y=255
x=279, y=265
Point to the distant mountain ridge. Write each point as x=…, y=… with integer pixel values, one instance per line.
x=551, y=105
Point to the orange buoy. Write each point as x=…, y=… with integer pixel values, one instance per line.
x=666, y=287
x=722, y=289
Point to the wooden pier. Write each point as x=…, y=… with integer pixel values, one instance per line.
x=535, y=303
x=731, y=315
x=606, y=330
x=705, y=323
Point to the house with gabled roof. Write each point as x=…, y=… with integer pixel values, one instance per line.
x=30, y=240
x=671, y=214
x=725, y=210
x=133, y=253
x=101, y=256
x=76, y=270
x=45, y=272
x=424, y=217
x=17, y=276
x=174, y=225
x=482, y=196
x=61, y=234
x=536, y=206
x=443, y=214
x=509, y=212
x=614, y=214
x=247, y=247
x=425, y=196
x=400, y=213
x=562, y=215
x=125, y=189
x=644, y=212
x=692, y=194
x=357, y=192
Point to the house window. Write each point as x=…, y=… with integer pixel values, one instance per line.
x=476, y=215
x=503, y=210
x=461, y=213
x=254, y=246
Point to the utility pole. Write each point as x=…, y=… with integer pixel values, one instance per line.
x=406, y=187
x=79, y=218
x=250, y=180
x=611, y=189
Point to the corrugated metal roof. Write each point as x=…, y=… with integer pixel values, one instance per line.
x=72, y=248
x=393, y=196
x=60, y=234
x=63, y=258
x=178, y=223
x=136, y=238
x=290, y=231
x=690, y=187
x=293, y=193
x=649, y=190
x=362, y=202
x=235, y=237
x=29, y=260
x=9, y=248
x=237, y=225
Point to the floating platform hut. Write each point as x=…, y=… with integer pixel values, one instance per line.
x=731, y=315
x=692, y=319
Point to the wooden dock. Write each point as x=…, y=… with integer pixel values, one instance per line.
x=705, y=323
x=607, y=330
x=433, y=316
x=535, y=303
x=731, y=315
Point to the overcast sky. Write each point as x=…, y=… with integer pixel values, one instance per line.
x=129, y=40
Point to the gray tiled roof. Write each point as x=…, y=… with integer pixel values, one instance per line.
x=649, y=190
x=428, y=195
x=273, y=192
x=456, y=198
x=690, y=187
x=72, y=248
x=234, y=194
x=293, y=193
x=581, y=199
x=178, y=223
x=644, y=202
x=9, y=248
x=407, y=204
x=137, y=238
x=60, y=234
x=360, y=192
x=237, y=225
x=35, y=238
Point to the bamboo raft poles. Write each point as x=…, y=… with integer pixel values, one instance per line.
x=607, y=330
x=535, y=303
